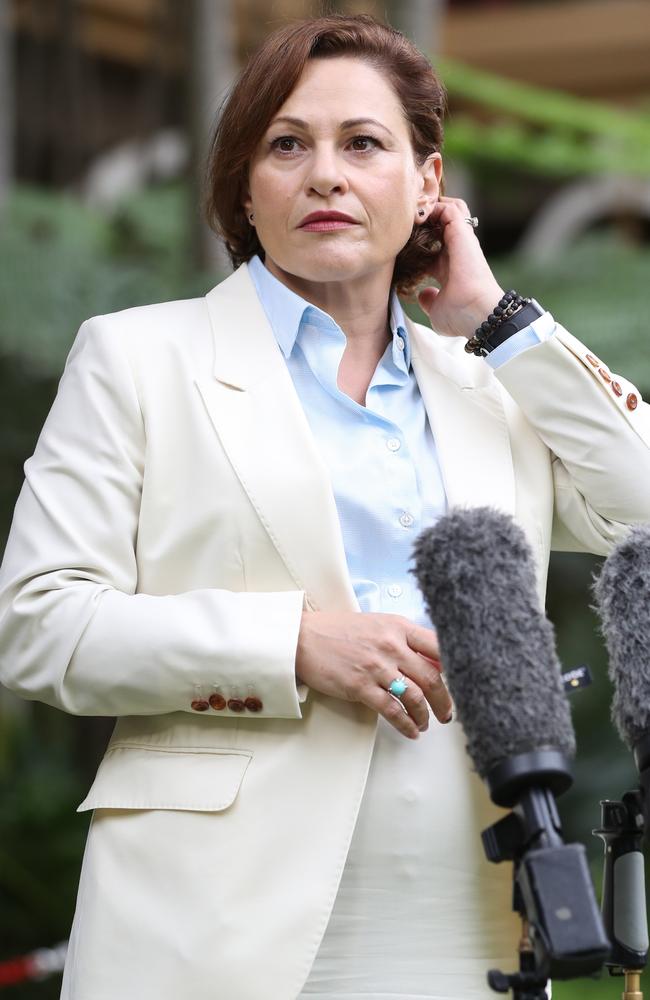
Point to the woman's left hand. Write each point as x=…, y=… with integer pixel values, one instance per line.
x=468, y=290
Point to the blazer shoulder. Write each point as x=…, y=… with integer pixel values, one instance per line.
x=158, y=335
x=174, y=336
x=154, y=319
x=175, y=319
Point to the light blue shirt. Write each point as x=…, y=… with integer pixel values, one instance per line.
x=381, y=457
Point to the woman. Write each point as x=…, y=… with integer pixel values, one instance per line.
x=223, y=483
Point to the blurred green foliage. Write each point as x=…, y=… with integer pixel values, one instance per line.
x=541, y=130
x=63, y=263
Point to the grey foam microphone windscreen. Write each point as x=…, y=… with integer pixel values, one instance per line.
x=476, y=572
x=622, y=591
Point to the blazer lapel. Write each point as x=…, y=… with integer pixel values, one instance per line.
x=257, y=415
x=468, y=422
x=256, y=412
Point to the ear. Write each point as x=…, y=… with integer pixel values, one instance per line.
x=431, y=177
x=247, y=203
x=429, y=181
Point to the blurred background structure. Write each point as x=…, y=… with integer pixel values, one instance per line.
x=106, y=108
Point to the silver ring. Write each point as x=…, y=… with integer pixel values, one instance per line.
x=398, y=687
x=473, y=222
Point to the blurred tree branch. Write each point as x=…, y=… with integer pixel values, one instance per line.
x=212, y=68
x=6, y=106
x=419, y=20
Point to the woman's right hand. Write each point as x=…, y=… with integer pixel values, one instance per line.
x=355, y=657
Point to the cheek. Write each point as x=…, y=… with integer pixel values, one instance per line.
x=394, y=189
x=273, y=194
x=394, y=200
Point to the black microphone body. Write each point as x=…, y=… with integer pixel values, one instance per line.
x=477, y=575
x=624, y=898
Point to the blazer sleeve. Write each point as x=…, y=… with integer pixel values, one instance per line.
x=597, y=428
x=74, y=633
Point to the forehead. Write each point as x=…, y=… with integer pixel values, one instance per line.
x=343, y=87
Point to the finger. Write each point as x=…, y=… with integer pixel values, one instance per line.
x=428, y=678
x=449, y=212
x=435, y=663
x=427, y=297
x=413, y=699
x=456, y=203
x=392, y=710
x=423, y=640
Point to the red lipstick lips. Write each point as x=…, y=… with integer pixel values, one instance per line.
x=324, y=220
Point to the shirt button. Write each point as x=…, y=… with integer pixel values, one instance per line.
x=400, y=343
x=393, y=444
x=406, y=520
x=394, y=590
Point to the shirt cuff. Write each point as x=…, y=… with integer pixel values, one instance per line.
x=536, y=333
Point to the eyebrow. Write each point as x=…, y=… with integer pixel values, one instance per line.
x=348, y=123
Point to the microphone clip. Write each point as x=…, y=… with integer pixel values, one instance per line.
x=621, y=829
x=563, y=935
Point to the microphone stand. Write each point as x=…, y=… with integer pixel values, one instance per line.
x=624, y=899
x=562, y=929
x=529, y=983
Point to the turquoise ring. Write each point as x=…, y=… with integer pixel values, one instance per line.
x=397, y=687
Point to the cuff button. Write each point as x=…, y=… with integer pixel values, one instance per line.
x=217, y=702
x=604, y=374
x=616, y=389
x=632, y=401
x=235, y=704
x=254, y=704
x=200, y=705
x=593, y=361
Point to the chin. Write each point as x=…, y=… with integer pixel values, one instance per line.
x=331, y=264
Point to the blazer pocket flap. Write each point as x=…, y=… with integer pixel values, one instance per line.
x=131, y=777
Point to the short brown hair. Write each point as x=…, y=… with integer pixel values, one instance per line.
x=263, y=87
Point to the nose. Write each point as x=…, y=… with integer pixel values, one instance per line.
x=326, y=173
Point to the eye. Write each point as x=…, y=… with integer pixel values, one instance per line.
x=285, y=144
x=364, y=143
x=288, y=144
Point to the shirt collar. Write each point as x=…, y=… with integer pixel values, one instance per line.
x=286, y=311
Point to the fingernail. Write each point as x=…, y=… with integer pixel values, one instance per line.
x=448, y=719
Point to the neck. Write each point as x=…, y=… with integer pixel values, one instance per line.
x=359, y=306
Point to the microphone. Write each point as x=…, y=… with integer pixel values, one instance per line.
x=476, y=572
x=622, y=592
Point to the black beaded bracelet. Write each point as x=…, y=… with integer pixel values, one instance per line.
x=508, y=305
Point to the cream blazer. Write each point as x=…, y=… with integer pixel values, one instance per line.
x=175, y=519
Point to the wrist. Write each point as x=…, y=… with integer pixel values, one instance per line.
x=512, y=314
x=482, y=307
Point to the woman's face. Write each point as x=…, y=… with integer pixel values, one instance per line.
x=339, y=143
